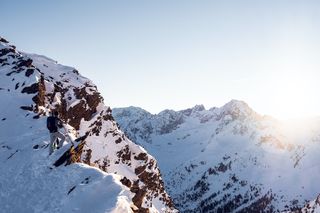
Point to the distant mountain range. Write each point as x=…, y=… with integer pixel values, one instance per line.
x=225, y=159
x=230, y=159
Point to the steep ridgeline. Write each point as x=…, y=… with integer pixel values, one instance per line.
x=229, y=159
x=114, y=174
x=312, y=206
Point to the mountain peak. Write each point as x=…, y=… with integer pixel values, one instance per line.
x=237, y=109
x=131, y=111
x=236, y=104
x=3, y=40
x=189, y=111
x=198, y=108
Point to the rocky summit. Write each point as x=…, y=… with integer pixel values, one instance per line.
x=98, y=169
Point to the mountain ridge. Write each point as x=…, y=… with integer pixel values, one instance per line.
x=31, y=86
x=213, y=160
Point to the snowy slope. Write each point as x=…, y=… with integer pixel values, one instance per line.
x=117, y=175
x=312, y=206
x=229, y=159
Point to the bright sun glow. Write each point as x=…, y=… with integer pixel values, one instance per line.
x=294, y=96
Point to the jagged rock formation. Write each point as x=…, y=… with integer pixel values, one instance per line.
x=33, y=84
x=312, y=206
x=229, y=159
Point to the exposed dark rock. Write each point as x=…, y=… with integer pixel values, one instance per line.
x=142, y=156
x=262, y=203
x=31, y=89
x=173, y=122
x=212, y=171
x=25, y=63
x=104, y=165
x=39, y=88
x=5, y=51
x=139, y=169
x=75, y=156
x=85, y=109
x=36, y=116
x=124, y=155
x=71, y=189
x=75, y=71
x=138, y=197
x=72, y=155
x=87, y=156
x=15, y=70
x=3, y=60
x=29, y=72
x=76, y=113
x=28, y=108
x=223, y=167
x=125, y=181
x=92, y=99
x=118, y=140
x=97, y=125
x=42, y=91
x=3, y=40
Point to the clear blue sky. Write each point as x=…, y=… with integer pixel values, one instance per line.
x=175, y=54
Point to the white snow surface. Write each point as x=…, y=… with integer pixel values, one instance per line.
x=28, y=180
x=229, y=157
x=312, y=206
x=27, y=184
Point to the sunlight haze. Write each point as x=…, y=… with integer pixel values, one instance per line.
x=175, y=54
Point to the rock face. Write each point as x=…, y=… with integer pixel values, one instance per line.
x=229, y=159
x=35, y=84
x=312, y=206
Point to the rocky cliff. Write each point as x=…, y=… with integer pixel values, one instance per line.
x=32, y=85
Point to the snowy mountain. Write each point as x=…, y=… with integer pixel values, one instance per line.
x=109, y=173
x=312, y=206
x=229, y=159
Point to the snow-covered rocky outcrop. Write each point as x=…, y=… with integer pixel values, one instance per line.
x=229, y=159
x=312, y=206
x=113, y=174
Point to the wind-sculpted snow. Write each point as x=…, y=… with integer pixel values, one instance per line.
x=230, y=159
x=120, y=177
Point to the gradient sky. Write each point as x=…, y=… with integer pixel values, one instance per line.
x=175, y=54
